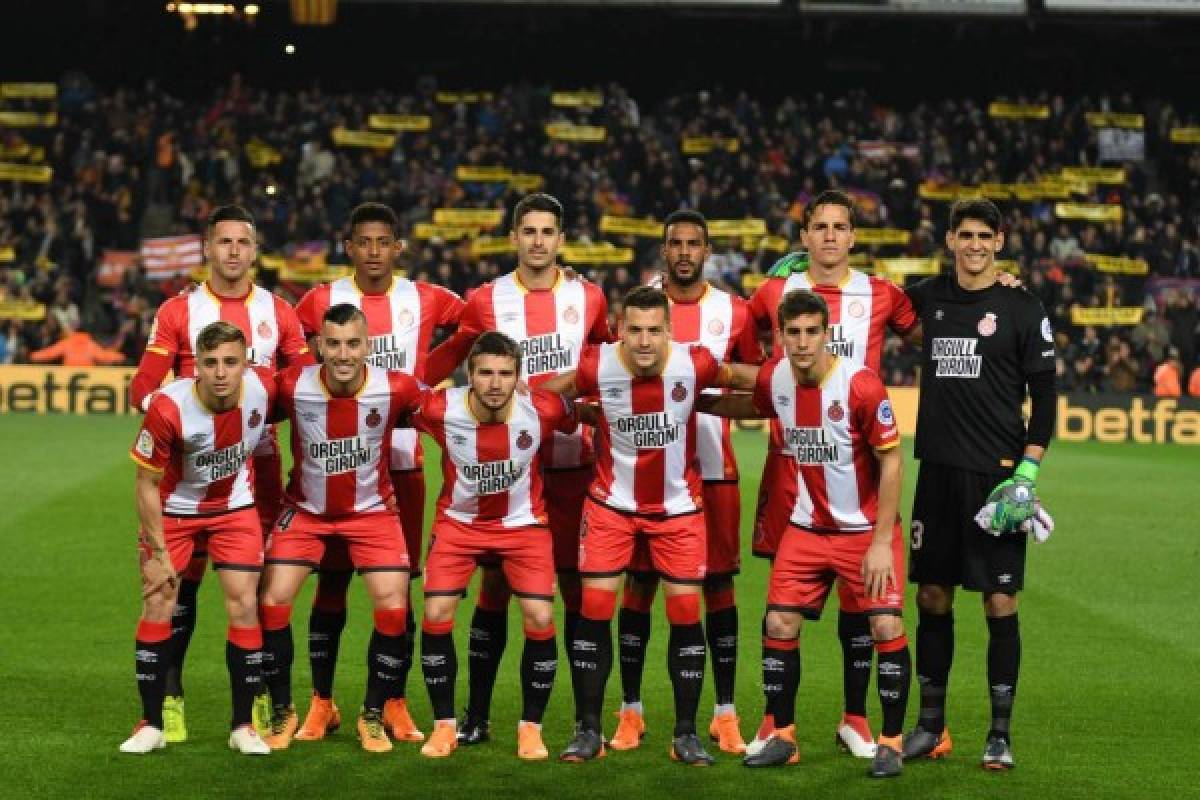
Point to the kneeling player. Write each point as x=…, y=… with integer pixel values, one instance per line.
x=840, y=430
x=342, y=415
x=194, y=484
x=491, y=507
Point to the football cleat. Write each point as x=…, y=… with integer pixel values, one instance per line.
x=887, y=762
x=283, y=727
x=923, y=744
x=585, y=746
x=371, y=732
x=322, y=719
x=997, y=754
x=260, y=713
x=631, y=727
x=399, y=722
x=687, y=749
x=529, y=742
x=442, y=742
x=474, y=730
x=174, y=723
x=724, y=731
x=145, y=739
x=777, y=750
x=765, y=729
x=854, y=736
x=246, y=741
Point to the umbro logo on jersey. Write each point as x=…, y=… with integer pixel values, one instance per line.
x=783, y=400
x=373, y=419
x=309, y=416
x=509, y=317
x=458, y=439
x=939, y=314
x=197, y=439
x=613, y=392
x=255, y=419
x=679, y=393
x=571, y=315
x=836, y=412
x=524, y=441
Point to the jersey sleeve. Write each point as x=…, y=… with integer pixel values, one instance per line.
x=747, y=347
x=762, y=389
x=903, y=316
x=599, y=332
x=557, y=413
x=165, y=332
x=872, y=410
x=430, y=415
x=446, y=357
x=1036, y=337
x=293, y=344
x=587, y=373
x=760, y=304
x=449, y=306
x=283, y=393
x=918, y=294
x=152, y=448
x=310, y=310
x=707, y=367
x=406, y=392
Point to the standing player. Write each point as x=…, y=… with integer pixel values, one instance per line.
x=491, y=507
x=194, y=484
x=551, y=318
x=700, y=314
x=986, y=346
x=342, y=414
x=402, y=316
x=647, y=491
x=273, y=336
x=839, y=427
x=862, y=308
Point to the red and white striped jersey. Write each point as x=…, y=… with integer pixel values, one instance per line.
x=340, y=444
x=550, y=325
x=646, y=441
x=721, y=322
x=204, y=457
x=832, y=432
x=400, y=324
x=491, y=472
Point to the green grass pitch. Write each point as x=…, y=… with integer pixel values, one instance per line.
x=1108, y=685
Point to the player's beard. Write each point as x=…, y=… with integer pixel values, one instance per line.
x=685, y=282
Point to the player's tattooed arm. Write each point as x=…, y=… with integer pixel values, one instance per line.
x=879, y=569
x=157, y=572
x=731, y=406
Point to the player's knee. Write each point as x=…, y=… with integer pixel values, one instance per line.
x=1000, y=605
x=157, y=608
x=538, y=617
x=934, y=598
x=886, y=627
x=439, y=609
x=242, y=608
x=639, y=591
x=781, y=625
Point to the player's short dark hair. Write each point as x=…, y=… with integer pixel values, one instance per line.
x=372, y=212
x=686, y=215
x=343, y=314
x=832, y=197
x=215, y=334
x=979, y=209
x=229, y=213
x=538, y=201
x=648, y=298
x=494, y=343
x=802, y=301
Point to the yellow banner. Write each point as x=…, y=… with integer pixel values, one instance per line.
x=1185, y=135
x=702, y=145
x=378, y=141
x=1041, y=191
x=7, y=254
x=325, y=274
x=567, y=132
x=25, y=172
x=1000, y=110
x=468, y=96
x=649, y=228
x=28, y=119
x=424, y=231
x=22, y=310
x=271, y=263
x=1093, y=212
x=492, y=246
x=901, y=267
x=604, y=253
x=1105, y=175
x=751, y=281
x=1111, y=119
x=29, y=91
x=262, y=155
x=881, y=236
x=37, y=389
x=947, y=192
x=469, y=217
x=580, y=99
x=526, y=181
x=719, y=228
x=1119, y=315
x=776, y=244
x=996, y=191
x=1118, y=265
x=407, y=123
x=483, y=174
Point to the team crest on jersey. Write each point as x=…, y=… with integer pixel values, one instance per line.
x=571, y=315
x=255, y=419
x=679, y=394
x=855, y=309
x=716, y=327
x=524, y=441
x=264, y=330
x=405, y=318
x=373, y=418
x=885, y=415
x=145, y=445
x=836, y=413
x=987, y=325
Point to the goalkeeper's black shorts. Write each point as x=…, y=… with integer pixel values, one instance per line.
x=947, y=547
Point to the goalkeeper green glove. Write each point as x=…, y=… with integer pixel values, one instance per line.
x=792, y=262
x=1015, y=498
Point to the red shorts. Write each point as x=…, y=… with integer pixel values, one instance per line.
x=373, y=540
x=233, y=539
x=808, y=563
x=564, y=491
x=722, y=519
x=608, y=539
x=268, y=488
x=776, y=500
x=525, y=554
x=409, y=487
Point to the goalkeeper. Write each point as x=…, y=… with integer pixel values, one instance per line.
x=986, y=347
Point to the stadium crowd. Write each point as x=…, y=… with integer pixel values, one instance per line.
x=133, y=163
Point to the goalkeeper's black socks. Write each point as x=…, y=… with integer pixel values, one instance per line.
x=183, y=624
x=384, y=655
x=721, y=628
x=935, y=653
x=1004, y=664
x=591, y=655
x=633, y=637
x=858, y=648
x=894, y=675
x=151, y=647
x=485, y=648
x=686, y=655
x=277, y=652
x=439, y=664
x=781, y=678
x=243, y=657
x=539, y=664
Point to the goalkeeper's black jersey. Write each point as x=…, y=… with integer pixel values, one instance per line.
x=979, y=348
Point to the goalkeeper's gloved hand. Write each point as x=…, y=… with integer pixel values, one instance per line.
x=796, y=261
x=1015, y=498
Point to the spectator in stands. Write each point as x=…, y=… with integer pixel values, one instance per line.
x=77, y=349
x=1194, y=383
x=1168, y=376
x=1120, y=369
